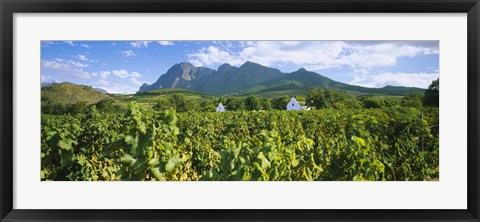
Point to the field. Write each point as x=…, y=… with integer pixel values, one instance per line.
x=240, y=110
x=376, y=144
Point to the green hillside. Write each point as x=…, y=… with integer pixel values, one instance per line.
x=258, y=80
x=301, y=81
x=70, y=93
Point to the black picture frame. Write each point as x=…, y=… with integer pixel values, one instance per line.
x=9, y=7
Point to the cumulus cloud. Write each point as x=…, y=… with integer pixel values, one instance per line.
x=166, y=42
x=115, y=87
x=102, y=74
x=70, y=43
x=212, y=55
x=120, y=73
x=420, y=80
x=130, y=86
x=71, y=62
x=132, y=76
x=128, y=53
x=140, y=44
x=313, y=55
x=78, y=64
x=47, y=79
x=65, y=68
x=82, y=57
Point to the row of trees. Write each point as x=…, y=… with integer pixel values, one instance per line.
x=338, y=99
x=317, y=98
x=108, y=105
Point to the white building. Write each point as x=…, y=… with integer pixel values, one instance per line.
x=306, y=108
x=293, y=105
x=220, y=108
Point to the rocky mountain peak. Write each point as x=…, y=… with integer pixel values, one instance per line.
x=224, y=67
x=249, y=64
x=301, y=70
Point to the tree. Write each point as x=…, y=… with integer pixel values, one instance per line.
x=162, y=104
x=266, y=105
x=253, y=103
x=280, y=103
x=431, y=96
x=331, y=98
x=192, y=104
x=207, y=105
x=106, y=105
x=412, y=100
x=316, y=98
x=370, y=102
x=179, y=102
x=233, y=103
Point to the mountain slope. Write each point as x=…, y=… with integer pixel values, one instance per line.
x=301, y=81
x=252, y=78
x=226, y=79
x=71, y=93
x=183, y=75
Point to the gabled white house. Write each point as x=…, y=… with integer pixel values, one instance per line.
x=293, y=105
x=220, y=108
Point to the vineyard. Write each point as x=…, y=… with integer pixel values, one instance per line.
x=392, y=144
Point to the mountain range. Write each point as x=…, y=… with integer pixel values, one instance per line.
x=252, y=78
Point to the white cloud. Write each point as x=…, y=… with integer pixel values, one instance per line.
x=70, y=43
x=82, y=57
x=47, y=79
x=65, y=68
x=47, y=43
x=116, y=88
x=130, y=86
x=71, y=62
x=128, y=53
x=313, y=55
x=120, y=73
x=85, y=46
x=132, y=76
x=213, y=55
x=421, y=80
x=140, y=44
x=78, y=64
x=166, y=43
x=102, y=74
x=135, y=81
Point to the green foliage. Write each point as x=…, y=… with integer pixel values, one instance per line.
x=431, y=96
x=280, y=103
x=69, y=93
x=331, y=98
x=48, y=107
x=234, y=104
x=393, y=144
x=253, y=103
x=162, y=104
x=108, y=105
x=181, y=104
x=412, y=100
x=265, y=104
x=370, y=102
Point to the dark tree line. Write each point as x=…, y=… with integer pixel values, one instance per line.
x=316, y=98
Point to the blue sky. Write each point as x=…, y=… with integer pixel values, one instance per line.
x=122, y=66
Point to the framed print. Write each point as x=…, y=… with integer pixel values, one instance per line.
x=262, y=111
